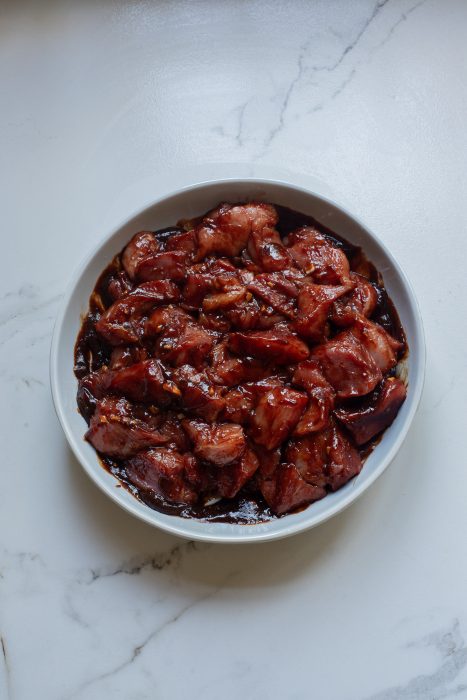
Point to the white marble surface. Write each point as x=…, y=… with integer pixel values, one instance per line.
x=98, y=102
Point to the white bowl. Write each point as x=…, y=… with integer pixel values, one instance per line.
x=186, y=203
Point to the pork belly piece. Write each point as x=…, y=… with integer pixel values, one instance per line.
x=277, y=345
x=181, y=339
x=114, y=430
x=227, y=369
x=122, y=323
x=218, y=443
x=119, y=285
x=211, y=276
x=231, y=478
x=321, y=397
x=184, y=241
x=278, y=294
x=91, y=388
x=188, y=344
x=144, y=382
x=199, y=395
x=318, y=257
x=267, y=251
x=276, y=414
x=347, y=366
x=378, y=343
x=126, y=355
x=141, y=245
x=287, y=490
x=163, y=472
x=360, y=301
x=314, y=304
x=165, y=265
x=224, y=300
x=367, y=421
x=250, y=315
x=325, y=458
x=225, y=230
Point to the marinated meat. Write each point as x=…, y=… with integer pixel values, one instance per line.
x=242, y=357
x=364, y=422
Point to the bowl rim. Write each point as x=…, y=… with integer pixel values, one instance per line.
x=149, y=515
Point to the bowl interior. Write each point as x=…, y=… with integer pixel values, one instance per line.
x=188, y=203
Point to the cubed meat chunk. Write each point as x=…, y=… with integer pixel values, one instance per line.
x=162, y=472
x=141, y=245
x=186, y=343
x=119, y=285
x=231, y=478
x=165, y=265
x=228, y=370
x=344, y=462
x=267, y=250
x=277, y=345
x=325, y=458
x=347, y=366
x=276, y=415
x=122, y=323
x=225, y=230
x=144, y=381
x=318, y=257
x=314, y=304
x=199, y=395
x=321, y=397
x=286, y=490
x=269, y=289
x=219, y=443
x=375, y=415
x=114, y=430
x=378, y=343
x=360, y=301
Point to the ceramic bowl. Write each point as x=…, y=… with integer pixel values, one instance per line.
x=187, y=203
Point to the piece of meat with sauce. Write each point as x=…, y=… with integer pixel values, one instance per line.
x=188, y=343
x=314, y=304
x=164, y=472
x=231, y=478
x=325, y=458
x=218, y=443
x=165, y=265
x=321, y=398
x=114, y=430
x=361, y=301
x=199, y=395
x=211, y=276
x=121, y=323
x=276, y=415
x=141, y=245
x=126, y=355
x=347, y=366
x=280, y=297
x=366, y=422
x=91, y=388
x=145, y=382
x=119, y=285
x=343, y=462
x=376, y=340
x=277, y=345
x=287, y=490
x=318, y=257
x=227, y=369
x=266, y=249
x=226, y=230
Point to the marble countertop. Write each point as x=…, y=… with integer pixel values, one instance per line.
x=98, y=104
